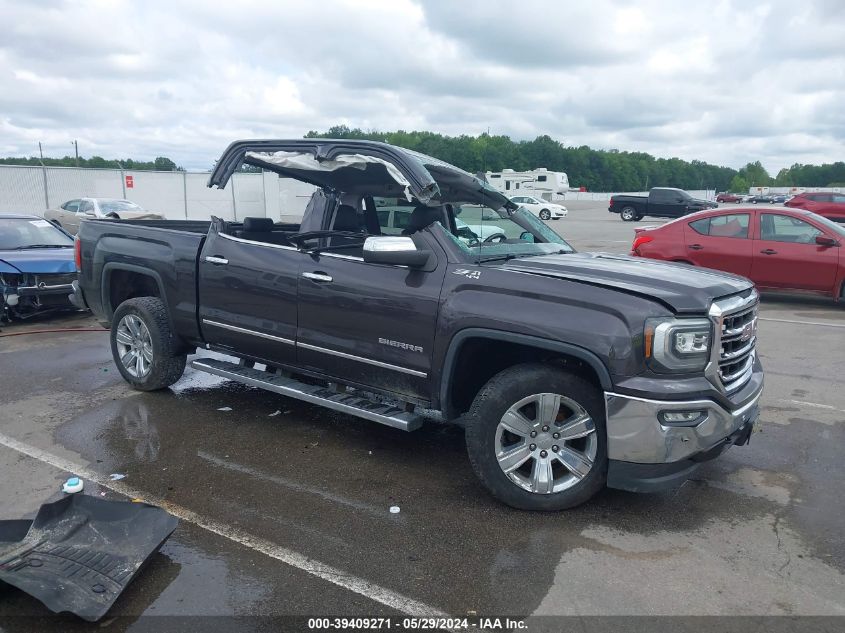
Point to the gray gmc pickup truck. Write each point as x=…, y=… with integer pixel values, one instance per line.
x=412, y=290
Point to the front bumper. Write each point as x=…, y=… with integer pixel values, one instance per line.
x=636, y=477
x=43, y=290
x=638, y=441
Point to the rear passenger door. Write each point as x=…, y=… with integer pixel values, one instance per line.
x=721, y=242
x=247, y=296
x=67, y=214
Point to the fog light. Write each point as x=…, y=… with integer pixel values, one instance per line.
x=682, y=418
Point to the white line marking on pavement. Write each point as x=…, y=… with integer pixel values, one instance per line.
x=310, y=566
x=817, y=405
x=801, y=322
x=376, y=511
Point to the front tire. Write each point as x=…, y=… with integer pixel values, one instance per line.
x=536, y=438
x=545, y=214
x=628, y=214
x=143, y=345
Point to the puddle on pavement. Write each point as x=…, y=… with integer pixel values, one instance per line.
x=321, y=484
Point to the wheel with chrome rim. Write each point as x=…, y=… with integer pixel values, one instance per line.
x=146, y=352
x=134, y=346
x=546, y=443
x=536, y=437
x=628, y=214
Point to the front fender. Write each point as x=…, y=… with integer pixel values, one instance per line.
x=541, y=344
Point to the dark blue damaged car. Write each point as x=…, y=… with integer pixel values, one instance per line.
x=36, y=267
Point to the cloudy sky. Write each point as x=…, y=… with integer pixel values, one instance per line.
x=723, y=81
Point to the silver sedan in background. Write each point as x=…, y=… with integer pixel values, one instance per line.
x=71, y=213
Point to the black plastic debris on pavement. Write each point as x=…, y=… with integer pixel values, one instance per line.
x=81, y=552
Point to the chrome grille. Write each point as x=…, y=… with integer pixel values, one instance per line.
x=737, y=343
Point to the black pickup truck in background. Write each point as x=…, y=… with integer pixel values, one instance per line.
x=569, y=371
x=661, y=202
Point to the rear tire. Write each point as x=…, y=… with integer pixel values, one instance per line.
x=559, y=472
x=143, y=345
x=628, y=214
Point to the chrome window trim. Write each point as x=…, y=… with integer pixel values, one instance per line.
x=340, y=256
x=293, y=248
x=242, y=330
x=361, y=359
x=267, y=244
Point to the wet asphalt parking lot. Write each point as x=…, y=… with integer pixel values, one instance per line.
x=285, y=505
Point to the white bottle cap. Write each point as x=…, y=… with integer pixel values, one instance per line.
x=73, y=484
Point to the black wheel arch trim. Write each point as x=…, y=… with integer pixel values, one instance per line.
x=528, y=340
x=109, y=267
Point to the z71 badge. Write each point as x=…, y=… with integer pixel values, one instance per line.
x=469, y=274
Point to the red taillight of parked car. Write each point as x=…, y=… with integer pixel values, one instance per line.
x=77, y=253
x=640, y=240
x=611, y=201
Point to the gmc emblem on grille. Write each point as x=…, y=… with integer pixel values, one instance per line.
x=747, y=332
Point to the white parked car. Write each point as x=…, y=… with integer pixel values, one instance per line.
x=72, y=212
x=541, y=208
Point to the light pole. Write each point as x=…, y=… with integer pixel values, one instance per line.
x=76, y=151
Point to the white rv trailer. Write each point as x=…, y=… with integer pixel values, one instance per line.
x=540, y=182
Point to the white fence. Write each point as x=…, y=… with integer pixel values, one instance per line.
x=176, y=194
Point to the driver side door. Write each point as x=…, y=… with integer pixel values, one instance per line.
x=785, y=255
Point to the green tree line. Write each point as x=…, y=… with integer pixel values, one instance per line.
x=162, y=163
x=597, y=170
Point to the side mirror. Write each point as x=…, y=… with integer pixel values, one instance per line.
x=824, y=240
x=394, y=250
x=527, y=236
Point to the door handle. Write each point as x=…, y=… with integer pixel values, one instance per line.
x=321, y=277
x=214, y=259
x=769, y=251
x=696, y=247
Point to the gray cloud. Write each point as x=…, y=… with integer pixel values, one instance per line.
x=727, y=82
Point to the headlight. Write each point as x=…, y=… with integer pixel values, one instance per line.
x=677, y=345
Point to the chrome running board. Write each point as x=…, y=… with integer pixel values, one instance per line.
x=345, y=402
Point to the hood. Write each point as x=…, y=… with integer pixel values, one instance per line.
x=702, y=203
x=682, y=288
x=40, y=261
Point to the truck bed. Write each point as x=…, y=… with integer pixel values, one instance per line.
x=164, y=250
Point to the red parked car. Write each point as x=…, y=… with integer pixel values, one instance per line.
x=829, y=205
x=728, y=197
x=787, y=249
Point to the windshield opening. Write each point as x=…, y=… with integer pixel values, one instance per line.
x=487, y=234
x=24, y=233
